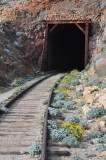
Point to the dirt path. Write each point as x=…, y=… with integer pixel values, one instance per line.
x=21, y=126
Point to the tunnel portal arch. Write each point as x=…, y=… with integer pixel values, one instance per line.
x=75, y=52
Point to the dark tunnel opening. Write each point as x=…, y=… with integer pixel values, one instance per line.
x=66, y=47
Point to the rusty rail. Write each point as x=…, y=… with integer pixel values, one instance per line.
x=44, y=153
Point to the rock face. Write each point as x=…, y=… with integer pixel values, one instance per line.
x=22, y=34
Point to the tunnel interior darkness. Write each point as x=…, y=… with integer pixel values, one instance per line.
x=65, y=47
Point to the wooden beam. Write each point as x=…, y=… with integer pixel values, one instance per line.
x=86, y=44
x=80, y=27
x=65, y=21
x=53, y=27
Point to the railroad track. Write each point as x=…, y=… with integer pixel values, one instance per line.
x=20, y=128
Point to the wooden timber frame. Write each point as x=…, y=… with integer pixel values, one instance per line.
x=84, y=30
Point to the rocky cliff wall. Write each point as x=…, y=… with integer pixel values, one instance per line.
x=22, y=34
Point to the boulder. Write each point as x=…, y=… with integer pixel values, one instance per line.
x=89, y=98
x=85, y=109
x=102, y=100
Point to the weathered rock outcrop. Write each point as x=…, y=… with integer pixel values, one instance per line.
x=22, y=34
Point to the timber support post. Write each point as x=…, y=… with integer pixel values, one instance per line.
x=86, y=44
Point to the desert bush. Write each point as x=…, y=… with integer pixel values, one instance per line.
x=74, y=157
x=102, y=147
x=72, y=118
x=54, y=112
x=70, y=141
x=75, y=82
x=58, y=134
x=5, y=109
x=45, y=102
x=52, y=125
x=35, y=149
x=73, y=129
x=60, y=96
x=102, y=139
x=95, y=134
x=96, y=112
x=58, y=104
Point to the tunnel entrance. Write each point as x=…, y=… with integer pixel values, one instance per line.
x=67, y=45
x=66, y=48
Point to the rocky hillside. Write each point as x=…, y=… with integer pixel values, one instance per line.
x=22, y=34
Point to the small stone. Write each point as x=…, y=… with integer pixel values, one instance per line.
x=7, y=51
x=85, y=109
x=95, y=127
x=24, y=9
x=102, y=123
x=5, y=20
x=102, y=100
x=79, y=88
x=89, y=98
x=64, y=85
x=18, y=34
x=16, y=44
x=103, y=153
x=90, y=89
x=90, y=121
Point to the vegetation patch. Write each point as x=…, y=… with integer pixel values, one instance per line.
x=54, y=112
x=35, y=149
x=70, y=141
x=72, y=118
x=95, y=134
x=45, y=102
x=73, y=129
x=74, y=157
x=96, y=112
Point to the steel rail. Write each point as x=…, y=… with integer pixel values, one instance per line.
x=44, y=153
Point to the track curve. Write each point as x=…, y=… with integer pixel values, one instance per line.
x=20, y=127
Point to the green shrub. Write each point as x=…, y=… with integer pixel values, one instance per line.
x=104, y=84
x=50, y=89
x=102, y=139
x=35, y=149
x=74, y=157
x=64, y=104
x=52, y=125
x=19, y=81
x=58, y=134
x=54, y=112
x=5, y=109
x=58, y=104
x=94, y=82
x=73, y=129
x=75, y=82
x=86, y=68
x=96, y=112
x=84, y=124
x=72, y=118
x=69, y=105
x=60, y=96
x=88, y=155
x=81, y=103
x=102, y=147
x=79, y=94
x=103, y=119
x=85, y=77
x=70, y=141
x=45, y=102
x=95, y=134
